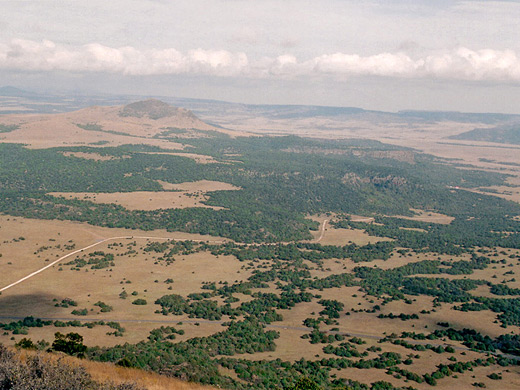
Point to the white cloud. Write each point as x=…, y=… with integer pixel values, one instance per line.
x=28, y=55
x=461, y=63
x=502, y=65
x=384, y=64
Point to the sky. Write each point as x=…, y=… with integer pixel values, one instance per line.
x=376, y=54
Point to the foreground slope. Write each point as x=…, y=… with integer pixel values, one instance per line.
x=44, y=371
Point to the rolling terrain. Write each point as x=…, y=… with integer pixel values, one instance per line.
x=257, y=246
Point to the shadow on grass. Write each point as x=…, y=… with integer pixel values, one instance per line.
x=22, y=305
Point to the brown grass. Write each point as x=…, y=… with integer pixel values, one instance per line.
x=334, y=236
x=55, y=235
x=176, y=196
x=35, y=296
x=108, y=372
x=339, y=236
x=151, y=381
x=190, y=271
x=142, y=200
x=199, y=186
x=428, y=216
x=54, y=130
x=505, y=192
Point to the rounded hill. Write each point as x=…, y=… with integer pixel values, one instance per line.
x=155, y=109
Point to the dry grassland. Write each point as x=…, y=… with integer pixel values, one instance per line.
x=291, y=347
x=367, y=326
x=338, y=266
x=340, y=128
x=510, y=381
x=47, y=131
x=509, y=193
x=145, y=274
x=199, y=186
x=427, y=216
x=365, y=376
x=53, y=130
x=428, y=137
x=340, y=236
x=141, y=200
x=132, y=272
x=360, y=218
x=426, y=364
x=49, y=239
x=175, y=196
x=495, y=273
x=140, y=276
x=11, y=108
x=149, y=380
x=108, y=372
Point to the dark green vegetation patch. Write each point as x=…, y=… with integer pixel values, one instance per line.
x=281, y=179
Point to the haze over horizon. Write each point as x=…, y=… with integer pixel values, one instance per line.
x=447, y=55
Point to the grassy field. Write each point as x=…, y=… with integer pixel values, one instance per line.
x=142, y=274
x=29, y=244
x=177, y=196
x=36, y=295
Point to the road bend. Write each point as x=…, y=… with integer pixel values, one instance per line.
x=99, y=242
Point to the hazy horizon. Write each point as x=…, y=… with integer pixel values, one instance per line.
x=404, y=55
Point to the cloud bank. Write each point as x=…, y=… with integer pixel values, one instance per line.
x=458, y=64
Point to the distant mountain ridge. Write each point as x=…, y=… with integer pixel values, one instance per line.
x=505, y=134
x=139, y=106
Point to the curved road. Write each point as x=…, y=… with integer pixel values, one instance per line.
x=93, y=245
x=123, y=238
